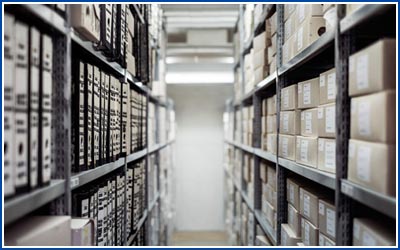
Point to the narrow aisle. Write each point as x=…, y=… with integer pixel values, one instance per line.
x=200, y=238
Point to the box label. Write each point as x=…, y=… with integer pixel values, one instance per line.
x=307, y=93
x=286, y=122
x=363, y=163
x=331, y=90
x=330, y=120
x=321, y=208
x=322, y=81
x=304, y=151
x=306, y=205
x=330, y=222
x=286, y=98
x=330, y=155
x=362, y=72
x=364, y=118
x=285, y=147
x=368, y=240
x=308, y=129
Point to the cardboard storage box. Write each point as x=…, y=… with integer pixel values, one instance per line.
x=373, y=69
x=294, y=220
x=288, y=237
x=131, y=64
x=271, y=104
x=264, y=107
x=304, y=11
x=309, y=203
x=263, y=172
x=373, y=165
x=325, y=241
x=327, y=218
x=270, y=213
x=260, y=73
x=287, y=147
x=39, y=231
x=268, y=124
x=327, y=121
x=272, y=66
x=327, y=87
x=327, y=155
x=309, y=122
x=308, y=93
x=273, y=22
x=85, y=20
x=290, y=27
x=271, y=175
x=82, y=231
x=290, y=122
x=260, y=58
x=272, y=143
x=289, y=98
x=261, y=42
x=270, y=196
x=271, y=54
x=288, y=10
x=308, y=32
x=309, y=233
x=288, y=50
x=293, y=191
x=273, y=44
x=370, y=232
x=373, y=117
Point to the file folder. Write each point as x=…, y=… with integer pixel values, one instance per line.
x=96, y=115
x=124, y=116
x=89, y=115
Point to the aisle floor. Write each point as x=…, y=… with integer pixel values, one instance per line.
x=200, y=238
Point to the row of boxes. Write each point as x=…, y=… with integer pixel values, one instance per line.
x=269, y=193
x=268, y=125
x=28, y=96
x=248, y=173
x=247, y=123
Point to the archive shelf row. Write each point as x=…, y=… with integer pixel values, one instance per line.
x=332, y=49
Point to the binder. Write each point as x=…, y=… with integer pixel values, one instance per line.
x=88, y=115
x=112, y=119
x=9, y=114
x=83, y=19
x=45, y=90
x=118, y=117
x=114, y=29
x=113, y=213
x=96, y=116
x=101, y=122
x=110, y=241
x=124, y=116
x=128, y=121
x=105, y=43
x=129, y=203
x=96, y=209
x=105, y=214
x=81, y=204
x=99, y=228
x=121, y=34
x=106, y=112
x=21, y=106
x=33, y=100
x=78, y=118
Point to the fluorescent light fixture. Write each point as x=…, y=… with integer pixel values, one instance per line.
x=205, y=77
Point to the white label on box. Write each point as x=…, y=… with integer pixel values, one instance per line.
x=306, y=234
x=330, y=120
x=351, y=64
x=286, y=98
x=368, y=240
x=352, y=150
x=300, y=38
x=331, y=90
x=285, y=147
x=356, y=231
x=330, y=222
x=362, y=72
x=322, y=81
x=308, y=122
x=321, y=208
x=320, y=145
x=291, y=194
x=363, y=163
x=307, y=93
x=286, y=122
x=306, y=205
x=304, y=151
x=330, y=154
x=320, y=113
x=364, y=118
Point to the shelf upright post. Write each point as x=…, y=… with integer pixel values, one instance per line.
x=281, y=81
x=126, y=169
x=344, y=46
x=61, y=116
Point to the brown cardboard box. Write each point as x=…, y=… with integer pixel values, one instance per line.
x=261, y=42
x=308, y=32
x=327, y=121
x=287, y=147
x=290, y=27
x=288, y=9
x=271, y=175
x=304, y=11
x=327, y=218
x=307, y=150
x=308, y=93
x=260, y=58
x=325, y=241
x=373, y=165
x=271, y=124
x=309, y=203
x=293, y=191
x=260, y=73
x=263, y=172
x=370, y=232
x=289, y=98
x=288, y=237
x=272, y=143
x=327, y=87
x=271, y=104
x=373, y=117
x=294, y=220
x=272, y=66
x=290, y=122
x=373, y=69
x=309, y=122
x=327, y=155
x=309, y=233
x=271, y=196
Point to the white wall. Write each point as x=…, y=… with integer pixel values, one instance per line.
x=199, y=155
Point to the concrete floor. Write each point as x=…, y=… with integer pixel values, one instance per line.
x=200, y=238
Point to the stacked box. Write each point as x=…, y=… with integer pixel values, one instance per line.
x=247, y=124
x=269, y=192
x=268, y=125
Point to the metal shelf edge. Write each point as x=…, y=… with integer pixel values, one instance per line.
x=370, y=198
x=271, y=233
x=323, y=178
x=135, y=156
x=21, y=205
x=265, y=155
x=247, y=200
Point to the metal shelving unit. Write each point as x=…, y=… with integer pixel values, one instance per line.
x=332, y=49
